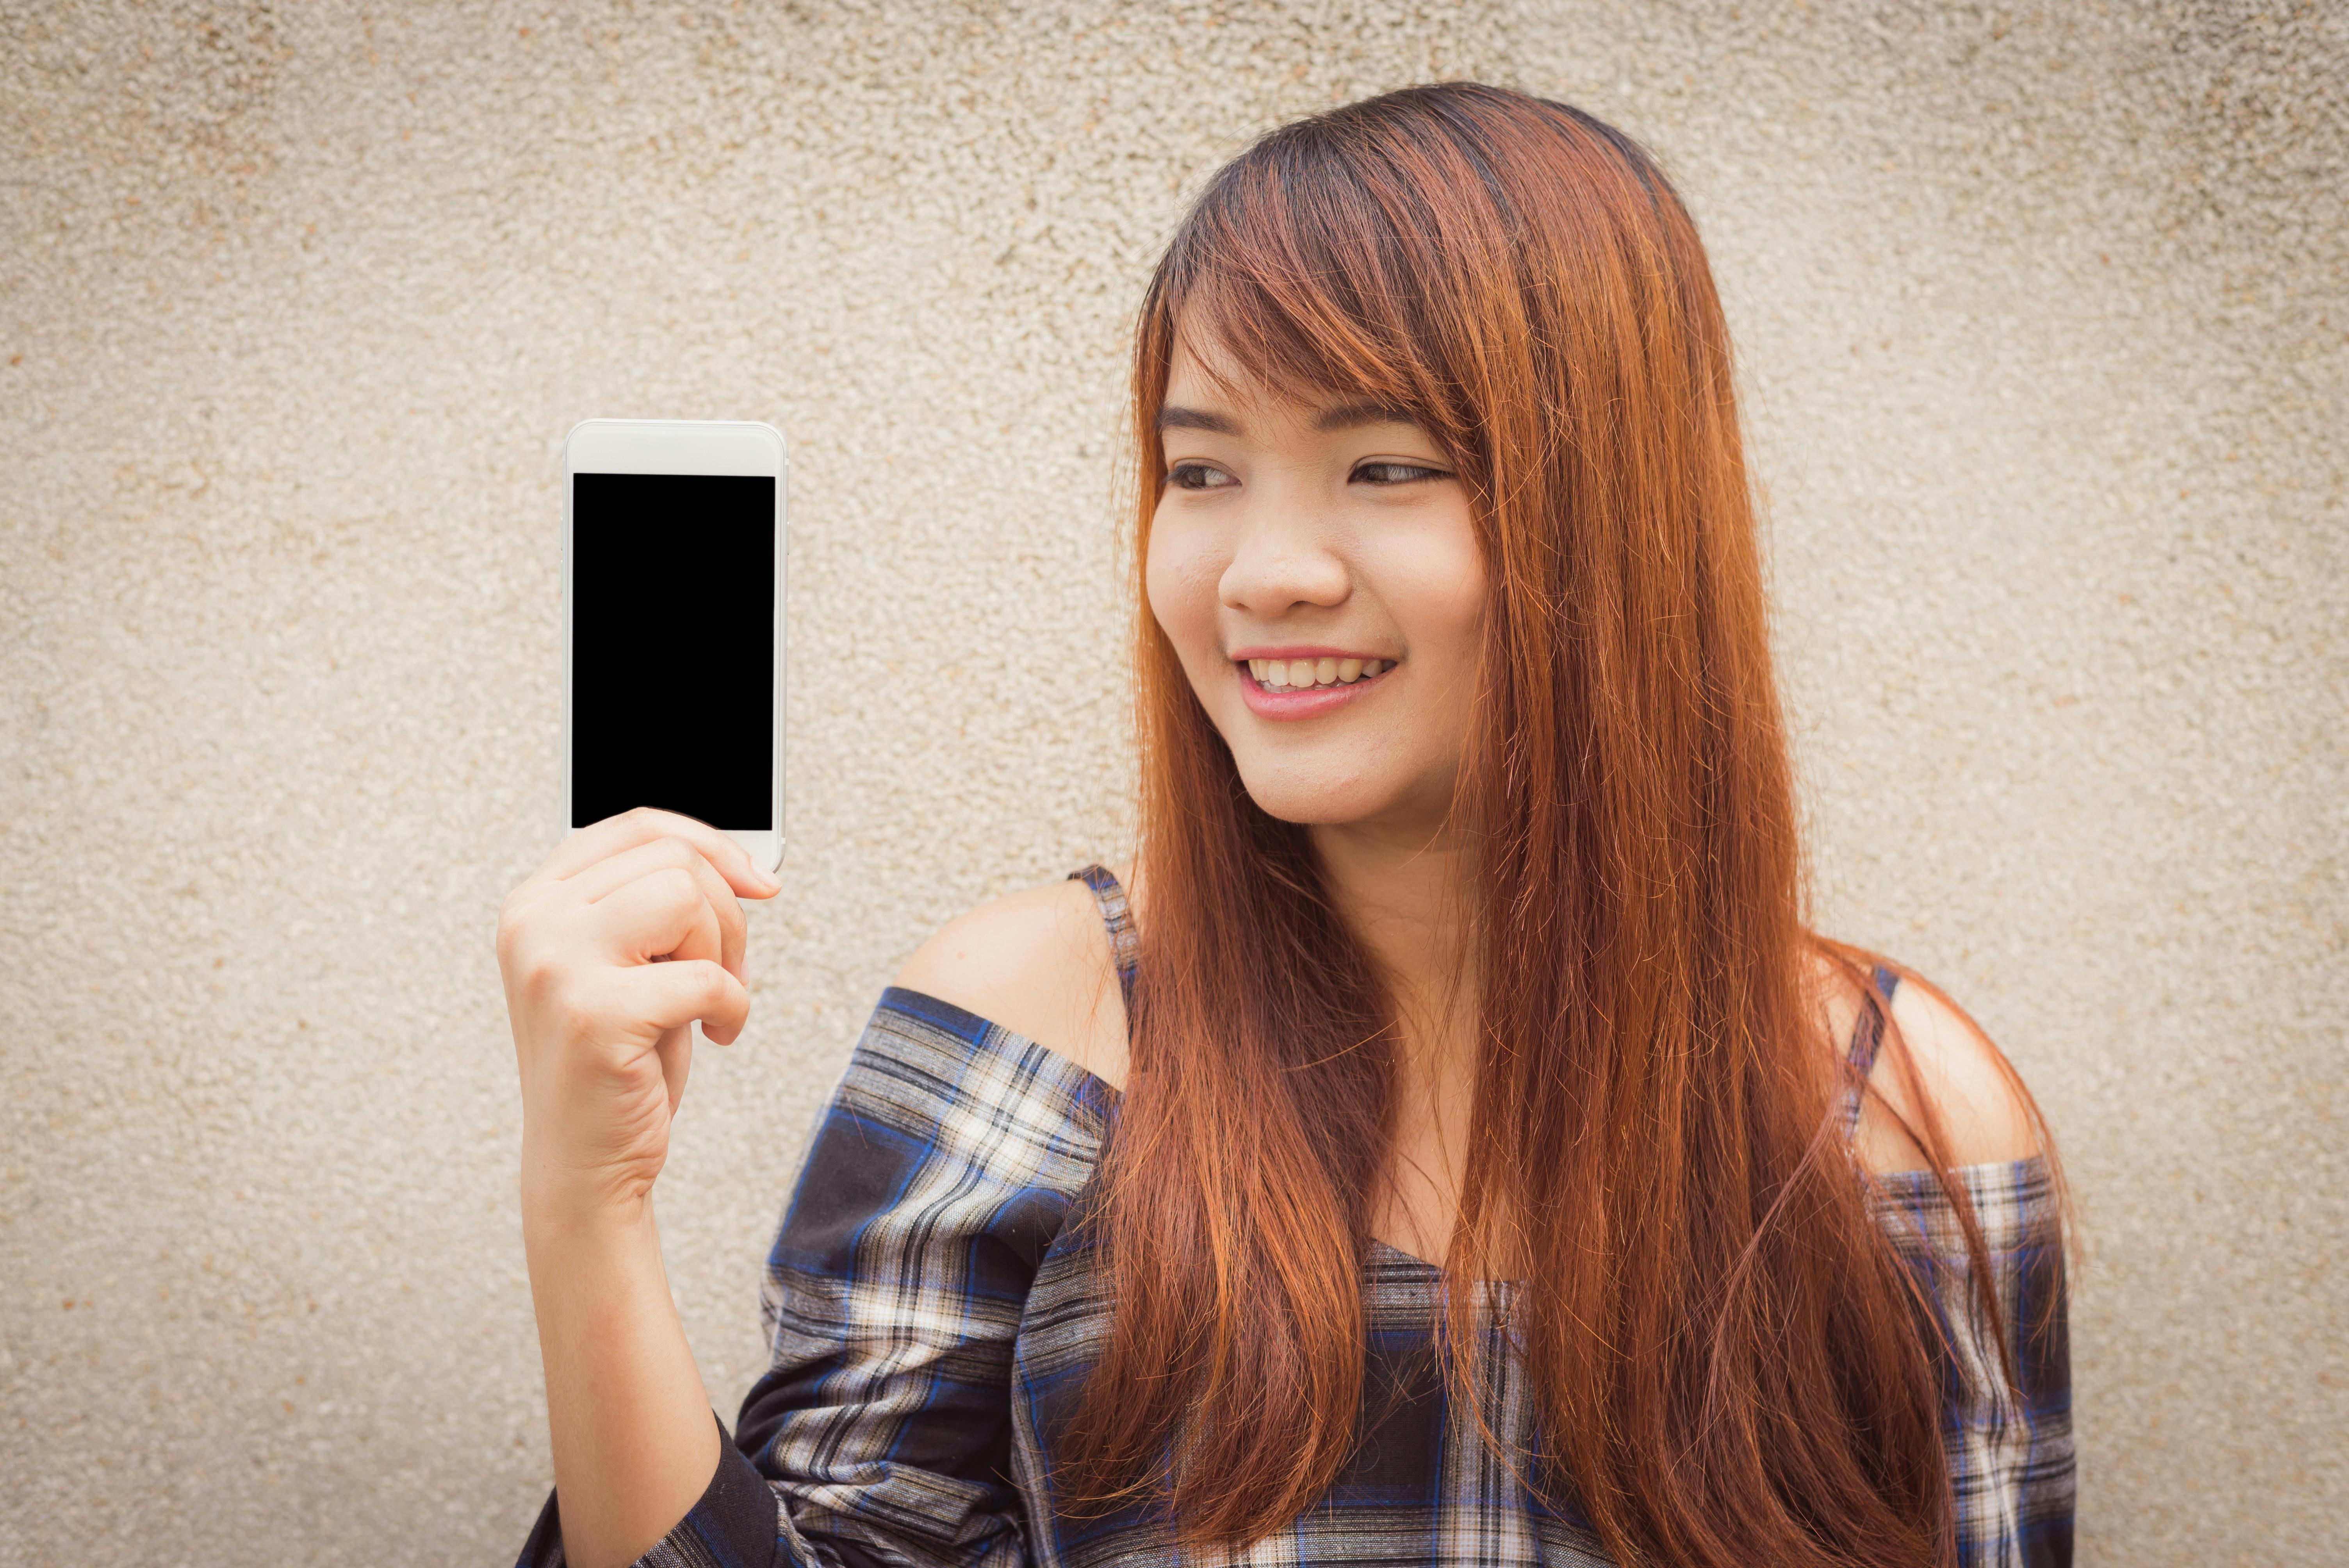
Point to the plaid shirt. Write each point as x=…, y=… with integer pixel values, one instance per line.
x=932, y=1310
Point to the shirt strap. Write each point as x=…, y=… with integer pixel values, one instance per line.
x=1867, y=1039
x=1124, y=941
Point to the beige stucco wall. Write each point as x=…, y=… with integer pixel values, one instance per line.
x=2044, y=315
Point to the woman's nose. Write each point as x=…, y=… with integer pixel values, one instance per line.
x=1278, y=564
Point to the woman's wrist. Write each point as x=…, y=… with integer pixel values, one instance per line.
x=565, y=1196
x=587, y=1252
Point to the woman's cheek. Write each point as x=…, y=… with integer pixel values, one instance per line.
x=1451, y=574
x=1180, y=580
x=1435, y=588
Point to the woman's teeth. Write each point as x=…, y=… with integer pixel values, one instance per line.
x=1289, y=674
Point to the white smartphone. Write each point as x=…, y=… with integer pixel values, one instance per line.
x=673, y=625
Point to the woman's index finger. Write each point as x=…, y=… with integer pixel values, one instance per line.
x=600, y=840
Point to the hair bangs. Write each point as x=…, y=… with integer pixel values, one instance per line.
x=1289, y=278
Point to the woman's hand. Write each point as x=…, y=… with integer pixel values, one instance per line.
x=627, y=935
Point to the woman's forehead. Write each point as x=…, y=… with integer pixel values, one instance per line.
x=1205, y=376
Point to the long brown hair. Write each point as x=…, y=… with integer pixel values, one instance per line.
x=1726, y=1359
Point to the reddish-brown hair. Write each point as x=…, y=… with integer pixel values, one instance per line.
x=1727, y=1359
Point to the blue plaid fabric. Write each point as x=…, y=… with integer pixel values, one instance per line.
x=932, y=1307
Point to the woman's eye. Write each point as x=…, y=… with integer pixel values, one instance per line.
x=1393, y=473
x=1198, y=476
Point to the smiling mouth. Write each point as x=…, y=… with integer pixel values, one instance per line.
x=1278, y=676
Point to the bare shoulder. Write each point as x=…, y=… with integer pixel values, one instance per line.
x=1974, y=1092
x=1037, y=962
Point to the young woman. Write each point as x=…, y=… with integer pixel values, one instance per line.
x=1446, y=1142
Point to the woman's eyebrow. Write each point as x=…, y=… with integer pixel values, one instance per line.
x=1171, y=418
x=1354, y=415
x=1343, y=416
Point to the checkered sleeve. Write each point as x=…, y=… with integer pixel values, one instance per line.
x=2008, y=1446
x=943, y=1168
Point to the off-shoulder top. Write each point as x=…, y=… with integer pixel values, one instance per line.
x=930, y=1309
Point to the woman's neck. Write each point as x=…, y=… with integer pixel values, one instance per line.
x=1400, y=889
x=1401, y=892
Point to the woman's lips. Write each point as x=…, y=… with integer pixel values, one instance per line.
x=1302, y=702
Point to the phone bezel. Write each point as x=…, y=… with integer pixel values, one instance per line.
x=745, y=447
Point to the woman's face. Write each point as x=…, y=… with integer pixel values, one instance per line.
x=1316, y=568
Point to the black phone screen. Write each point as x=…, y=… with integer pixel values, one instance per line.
x=673, y=647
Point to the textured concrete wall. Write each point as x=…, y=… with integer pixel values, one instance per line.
x=2044, y=315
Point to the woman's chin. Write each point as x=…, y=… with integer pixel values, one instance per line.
x=1313, y=799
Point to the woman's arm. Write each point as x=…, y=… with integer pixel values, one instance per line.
x=626, y=935
x=2000, y=1320
x=940, y=1177
x=634, y=1440
x=940, y=1172
x=2007, y=1443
